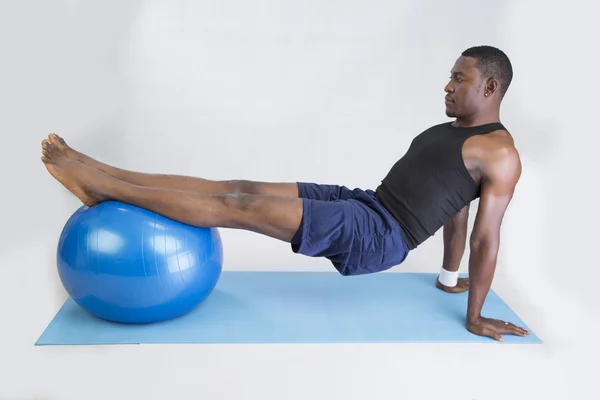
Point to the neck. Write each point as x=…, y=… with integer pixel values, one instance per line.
x=477, y=119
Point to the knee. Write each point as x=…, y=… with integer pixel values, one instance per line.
x=238, y=210
x=243, y=186
x=239, y=202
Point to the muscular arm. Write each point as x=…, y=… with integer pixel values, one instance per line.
x=501, y=174
x=455, y=238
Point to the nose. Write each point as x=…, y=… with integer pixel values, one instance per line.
x=449, y=87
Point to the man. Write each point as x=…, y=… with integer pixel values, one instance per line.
x=359, y=231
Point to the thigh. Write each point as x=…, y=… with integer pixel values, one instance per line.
x=323, y=192
x=378, y=243
x=271, y=215
x=277, y=215
x=285, y=189
x=327, y=228
x=356, y=235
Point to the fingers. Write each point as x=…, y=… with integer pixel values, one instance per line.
x=448, y=289
x=512, y=329
x=493, y=328
x=508, y=328
x=493, y=334
x=485, y=329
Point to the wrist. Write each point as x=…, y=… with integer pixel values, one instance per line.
x=448, y=278
x=473, y=319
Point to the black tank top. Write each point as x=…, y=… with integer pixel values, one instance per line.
x=430, y=184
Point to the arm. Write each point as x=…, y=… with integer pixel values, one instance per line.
x=501, y=174
x=455, y=238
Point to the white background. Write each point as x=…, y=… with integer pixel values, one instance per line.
x=329, y=91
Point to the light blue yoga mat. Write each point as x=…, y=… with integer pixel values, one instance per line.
x=300, y=307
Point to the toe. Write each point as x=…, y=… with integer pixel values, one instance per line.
x=57, y=141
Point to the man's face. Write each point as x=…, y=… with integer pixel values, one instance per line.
x=465, y=91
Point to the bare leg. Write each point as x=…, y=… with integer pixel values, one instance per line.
x=275, y=216
x=178, y=182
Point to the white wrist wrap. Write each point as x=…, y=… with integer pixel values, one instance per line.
x=448, y=278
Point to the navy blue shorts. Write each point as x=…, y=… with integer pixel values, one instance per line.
x=350, y=228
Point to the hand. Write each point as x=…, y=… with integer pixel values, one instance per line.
x=461, y=286
x=494, y=327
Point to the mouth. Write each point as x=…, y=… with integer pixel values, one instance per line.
x=449, y=99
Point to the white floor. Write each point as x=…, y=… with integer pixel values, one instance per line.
x=30, y=293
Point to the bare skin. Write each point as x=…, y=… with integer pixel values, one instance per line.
x=200, y=185
x=60, y=167
x=455, y=235
x=179, y=182
x=462, y=285
x=494, y=164
x=275, y=216
x=476, y=151
x=275, y=210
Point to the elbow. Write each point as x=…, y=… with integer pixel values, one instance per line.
x=484, y=243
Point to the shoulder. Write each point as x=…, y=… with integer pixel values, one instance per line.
x=501, y=162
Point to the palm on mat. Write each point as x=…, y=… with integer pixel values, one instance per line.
x=461, y=286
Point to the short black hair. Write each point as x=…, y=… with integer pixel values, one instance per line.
x=492, y=63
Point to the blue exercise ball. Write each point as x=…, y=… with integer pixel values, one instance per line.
x=126, y=264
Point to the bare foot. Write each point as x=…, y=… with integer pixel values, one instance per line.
x=74, y=175
x=67, y=150
x=60, y=143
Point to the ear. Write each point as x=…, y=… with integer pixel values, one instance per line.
x=491, y=86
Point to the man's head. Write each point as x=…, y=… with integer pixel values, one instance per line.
x=479, y=80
